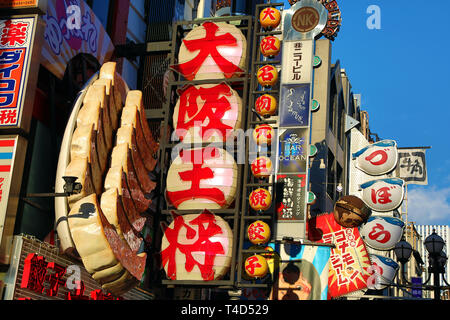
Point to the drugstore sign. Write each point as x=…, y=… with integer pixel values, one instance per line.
x=16, y=49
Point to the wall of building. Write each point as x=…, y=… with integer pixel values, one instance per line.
x=332, y=89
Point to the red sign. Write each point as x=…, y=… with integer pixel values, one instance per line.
x=191, y=236
x=198, y=173
x=206, y=47
x=270, y=46
x=15, y=51
x=213, y=110
x=11, y=71
x=45, y=277
x=349, y=260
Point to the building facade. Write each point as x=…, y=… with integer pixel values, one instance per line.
x=66, y=60
x=141, y=33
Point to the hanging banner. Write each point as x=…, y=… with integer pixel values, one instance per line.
x=349, y=261
x=412, y=166
x=378, y=158
x=10, y=166
x=383, y=194
x=302, y=273
x=19, y=54
x=72, y=28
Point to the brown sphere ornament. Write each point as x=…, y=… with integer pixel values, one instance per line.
x=351, y=211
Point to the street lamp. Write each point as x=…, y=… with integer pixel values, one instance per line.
x=434, y=244
x=403, y=251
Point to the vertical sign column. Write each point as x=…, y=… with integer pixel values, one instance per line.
x=18, y=70
x=302, y=23
x=20, y=38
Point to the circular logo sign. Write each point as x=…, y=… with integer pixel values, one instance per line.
x=305, y=19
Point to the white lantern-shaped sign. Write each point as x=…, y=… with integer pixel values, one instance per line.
x=382, y=233
x=383, y=271
x=202, y=178
x=383, y=194
x=212, y=51
x=197, y=247
x=378, y=158
x=207, y=113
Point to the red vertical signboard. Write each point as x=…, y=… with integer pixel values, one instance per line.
x=349, y=260
x=17, y=79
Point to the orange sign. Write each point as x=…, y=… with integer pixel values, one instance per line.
x=270, y=18
x=18, y=4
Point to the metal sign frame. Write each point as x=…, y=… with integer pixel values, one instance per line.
x=231, y=215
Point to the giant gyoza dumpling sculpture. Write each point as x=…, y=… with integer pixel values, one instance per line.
x=111, y=153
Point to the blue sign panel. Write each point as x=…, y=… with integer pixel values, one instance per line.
x=293, y=150
x=416, y=291
x=294, y=105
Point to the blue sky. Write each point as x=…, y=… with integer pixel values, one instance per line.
x=402, y=72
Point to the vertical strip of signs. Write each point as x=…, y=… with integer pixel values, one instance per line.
x=294, y=136
x=9, y=189
x=16, y=45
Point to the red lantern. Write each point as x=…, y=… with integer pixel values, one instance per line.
x=267, y=75
x=270, y=18
x=258, y=232
x=260, y=199
x=212, y=51
x=270, y=46
x=256, y=266
x=266, y=105
x=263, y=134
x=197, y=247
x=262, y=167
x=202, y=178
x=207, y=113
